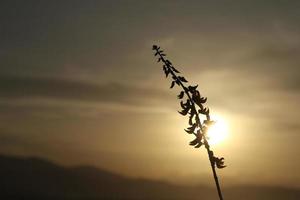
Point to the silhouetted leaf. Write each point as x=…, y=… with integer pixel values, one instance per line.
x=198, y=145
x=186, y=104
x=197, y=99
x=204, y=111
x=166, y=70
x=159, y=59
x=163, y=54
x=192, y=88
x=168, y=62
x=192, y=114
x=191, y=129
x=167, y=73
x=197, y=141
x=182, y=104
x=203, y=99
x=194, y=142
x=177, y=82
x=154, y=47
x=180, y=96
x=181, y=78
x=190, y=120
x=219, y=162
x=175, y=70
x=185, y=111
x=172, y=84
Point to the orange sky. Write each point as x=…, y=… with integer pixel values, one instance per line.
x=80, y=85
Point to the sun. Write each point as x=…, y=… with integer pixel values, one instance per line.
x=218, y=132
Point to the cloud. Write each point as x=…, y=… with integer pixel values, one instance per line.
x=70, y=90
x=101, y=36
x=20, y=142
x=11, y=139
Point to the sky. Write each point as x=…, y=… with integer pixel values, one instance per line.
x=80, y=86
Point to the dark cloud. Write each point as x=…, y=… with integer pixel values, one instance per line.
x=49, y=38
x=60, y=89
x=17, y=142
x=11, y=140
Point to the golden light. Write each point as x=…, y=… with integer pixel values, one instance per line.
x=219, y=131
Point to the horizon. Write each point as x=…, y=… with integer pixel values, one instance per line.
x=53, y=181
x=183, y=183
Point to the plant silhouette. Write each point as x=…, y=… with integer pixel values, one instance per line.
x=192, y=104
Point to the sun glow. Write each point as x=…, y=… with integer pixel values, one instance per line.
x=217, y=132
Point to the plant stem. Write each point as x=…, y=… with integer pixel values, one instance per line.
x=198, y=121
x=213, y=168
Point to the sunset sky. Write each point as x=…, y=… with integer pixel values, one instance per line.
x=79, y=85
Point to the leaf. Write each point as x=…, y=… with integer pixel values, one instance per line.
x=204, y=111
x=182, y=104
x=167, y=73
x=191, y=116
x=198, y=145
x=197, y=141
x=180, y=96
x=166, y=70
x=194, y=142
x=196, y=98
x=168, y=62
x=181, y=78
x=163, y=54
x=159, y=59
x=192, y=88
x=220, y=162
x=190, y=120
x=154, y=47
x=185, y=105
x=175, y=70
x=191, y=129
x=177, y=82
x=203, y=99
x=185, y=111
x=172, y=84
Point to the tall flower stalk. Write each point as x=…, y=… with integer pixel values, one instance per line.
x=192, y=104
